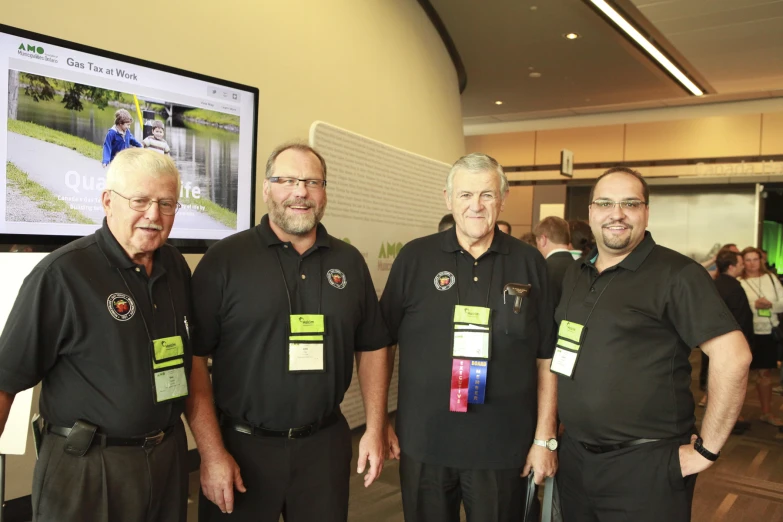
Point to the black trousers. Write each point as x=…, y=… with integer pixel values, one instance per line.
x=114, y=483
x=432, y=493
x=642, y=483
x=302, y=479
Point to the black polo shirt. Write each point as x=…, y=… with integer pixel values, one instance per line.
x=419, y=309
x=242, y=307
x=79, y=328
x=632, y=379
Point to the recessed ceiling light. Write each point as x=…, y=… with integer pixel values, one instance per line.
x=498, y=102
x=571, y=36
x=645, y=44
x=535, y=74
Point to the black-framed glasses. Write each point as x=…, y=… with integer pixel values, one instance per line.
x=626, y=204
x=167, y=207
x=310, y=184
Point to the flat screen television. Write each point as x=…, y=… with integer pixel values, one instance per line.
x=59, y=104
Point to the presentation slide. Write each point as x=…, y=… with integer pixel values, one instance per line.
x=58, y=134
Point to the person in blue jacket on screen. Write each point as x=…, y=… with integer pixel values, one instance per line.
x=119, y=137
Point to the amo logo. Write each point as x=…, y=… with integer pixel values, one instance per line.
x=31, y=48
x=387, y=254
x=389, y=250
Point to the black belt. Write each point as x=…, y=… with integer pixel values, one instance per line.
x=592, y=448
x=292, y=433
x=146, y=442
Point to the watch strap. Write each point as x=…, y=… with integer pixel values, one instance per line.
x=704, y=452
x=545, y=443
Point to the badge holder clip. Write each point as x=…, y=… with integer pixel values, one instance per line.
x=517, y=290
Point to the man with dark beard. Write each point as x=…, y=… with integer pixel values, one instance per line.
x=630, y=313
x=283, y=309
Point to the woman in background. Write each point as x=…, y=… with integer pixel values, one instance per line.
x=765, y=295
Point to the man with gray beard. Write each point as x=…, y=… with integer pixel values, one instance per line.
x=283, y=309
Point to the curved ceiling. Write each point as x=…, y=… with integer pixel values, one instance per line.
x=734, y=46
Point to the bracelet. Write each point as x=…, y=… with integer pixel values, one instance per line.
x=704, y=452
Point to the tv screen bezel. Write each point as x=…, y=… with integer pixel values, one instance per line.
x=188, y=246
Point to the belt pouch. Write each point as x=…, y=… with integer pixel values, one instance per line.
x=80, y=439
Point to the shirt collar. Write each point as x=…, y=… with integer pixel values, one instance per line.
x=500, y=241
x=633, y=260
x=555, y=251
x=322, y=237
x=111, y=248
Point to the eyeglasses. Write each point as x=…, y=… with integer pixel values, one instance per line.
x=167, y=207
x=626, y=204
x=290, y=183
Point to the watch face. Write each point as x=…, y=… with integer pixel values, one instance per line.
x=551, y=444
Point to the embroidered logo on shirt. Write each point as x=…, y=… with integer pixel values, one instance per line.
x=336, y=278
x=444, y=281
x=121, y=306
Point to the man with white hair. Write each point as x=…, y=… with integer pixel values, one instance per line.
x=103, y=323
x=472, y=313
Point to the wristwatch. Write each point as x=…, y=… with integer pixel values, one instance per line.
x=704, y=452
x=550, y=444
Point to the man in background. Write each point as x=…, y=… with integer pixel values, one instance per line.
x=446, y=223
x=504, y=227
x=730, y=266
x=529, y=238
x=552, y=239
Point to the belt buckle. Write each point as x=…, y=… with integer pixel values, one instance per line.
x=151, y=442
x=298, y=433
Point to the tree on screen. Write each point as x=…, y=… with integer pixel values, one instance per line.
x=13, y=93
x=41, y=88
x=38, y=87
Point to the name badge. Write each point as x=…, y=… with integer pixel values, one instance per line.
x=764, y=312
x=569, y=341
x=168, y=369
x=472, y=334
x=306, y=343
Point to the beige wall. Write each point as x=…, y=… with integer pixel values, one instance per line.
x=736, y=135
x=518, y=210
x=706, y=137
x=374, y=67
x=772, y=133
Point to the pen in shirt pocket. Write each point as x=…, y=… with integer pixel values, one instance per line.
x=187, y=327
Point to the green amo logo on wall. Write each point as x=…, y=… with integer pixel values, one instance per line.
x=389, y=250
x=387, y=254
x=31, y=48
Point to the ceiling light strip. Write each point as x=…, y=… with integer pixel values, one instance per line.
x=647, y=46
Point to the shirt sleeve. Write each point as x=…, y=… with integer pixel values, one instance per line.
x=392, y=299
x=777, y=304
x=546, y=312
x=40, y=322
x=371, y=333
x=206, y=287
x=695, y=307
